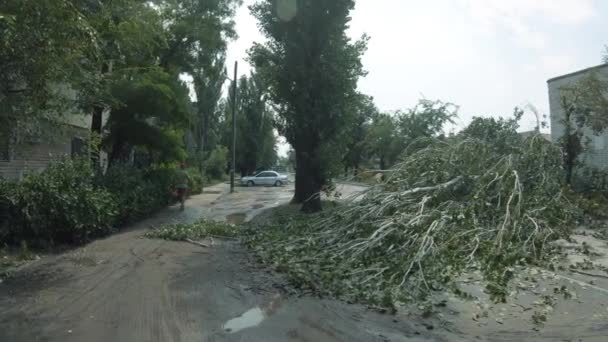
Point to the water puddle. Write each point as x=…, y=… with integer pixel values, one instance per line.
x=253, y=317
x=257, y=206
x=249, y=319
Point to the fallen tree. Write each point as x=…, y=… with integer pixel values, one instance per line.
x=477, y=201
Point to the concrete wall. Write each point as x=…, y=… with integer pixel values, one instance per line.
x=597, y=155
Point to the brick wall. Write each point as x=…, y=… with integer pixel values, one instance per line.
x=32, y=156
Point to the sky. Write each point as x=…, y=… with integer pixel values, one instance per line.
x=487, y=56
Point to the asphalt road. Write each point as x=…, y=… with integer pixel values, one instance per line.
x=130, y=288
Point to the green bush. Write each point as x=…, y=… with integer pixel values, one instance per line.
x=59, y=205
x=69, y=203
x=197, y=181
x=215, y=165
x=138, y=192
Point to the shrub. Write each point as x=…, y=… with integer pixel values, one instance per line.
x=197, y=181
x=59, y=205
x=138, y=192
x=215, y=165
x=69, y=203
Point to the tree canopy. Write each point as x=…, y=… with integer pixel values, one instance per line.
x=255, y=127
x=311, y=68
x=43, y=43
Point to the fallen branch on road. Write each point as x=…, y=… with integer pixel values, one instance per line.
x=195, y=231
x=197, y=243
x=456, y=205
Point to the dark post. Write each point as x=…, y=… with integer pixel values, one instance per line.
x=233, y=166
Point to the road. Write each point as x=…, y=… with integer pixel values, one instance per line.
x=129, y=288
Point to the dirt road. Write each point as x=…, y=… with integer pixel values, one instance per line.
x=129, y=288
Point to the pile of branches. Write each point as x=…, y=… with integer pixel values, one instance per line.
x=457, y=204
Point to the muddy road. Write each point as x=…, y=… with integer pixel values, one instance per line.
x=130, y=288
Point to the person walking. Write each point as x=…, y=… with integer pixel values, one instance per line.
x=183, y=181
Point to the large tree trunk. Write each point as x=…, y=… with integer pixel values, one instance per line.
x=311, y=181
x=382, y=163
x=298, y=197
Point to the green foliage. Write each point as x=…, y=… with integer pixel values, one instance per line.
x=196, y=32
x=427, y=119
x=382, y=140
x=43, y=43
x=208, y=78
x=255, y=127
x=69, y=203
x=215, y=164
x=461, y=203
x=152, y=110
x=196, y=231
x=197, y=181
x=137, y=192
x=390, y=135
x=59, y=205
x=310, y=68
x=363, y=110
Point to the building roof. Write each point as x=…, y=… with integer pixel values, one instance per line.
x=578, y=72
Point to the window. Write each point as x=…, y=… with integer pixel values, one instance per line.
x=78, y=147
x=266, y=174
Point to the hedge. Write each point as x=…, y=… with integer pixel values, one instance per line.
x=69, y=203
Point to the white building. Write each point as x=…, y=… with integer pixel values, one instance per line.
x=596, y=154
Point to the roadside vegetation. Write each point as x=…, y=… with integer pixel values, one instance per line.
x=483, y=199
x=122, y=64
x=70, y=203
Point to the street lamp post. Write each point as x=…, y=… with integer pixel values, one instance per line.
x=234, y=93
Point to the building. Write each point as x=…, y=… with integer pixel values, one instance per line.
x=52, y=141
x=596, y=154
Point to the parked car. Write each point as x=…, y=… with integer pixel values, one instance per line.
x=265, y=178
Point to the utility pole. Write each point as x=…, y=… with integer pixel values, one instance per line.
x=233, y=165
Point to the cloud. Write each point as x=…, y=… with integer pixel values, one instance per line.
x=521, y=18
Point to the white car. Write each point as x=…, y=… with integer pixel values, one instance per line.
x=265, y=178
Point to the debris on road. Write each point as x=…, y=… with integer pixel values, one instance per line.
x=195, y=231
x=467, y=204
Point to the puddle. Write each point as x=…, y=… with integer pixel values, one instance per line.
x=257, y=206
x=249, y=319
x=237, y=218
x=254, y=316
x=212, y=192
